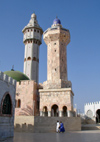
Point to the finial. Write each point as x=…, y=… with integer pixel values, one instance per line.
x=12, y=68
x=56, y=17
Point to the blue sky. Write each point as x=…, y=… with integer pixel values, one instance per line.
x=81, y=17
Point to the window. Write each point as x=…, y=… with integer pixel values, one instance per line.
x=38, y=31
x=34, y=30
x=7, y=105
x=29, y=58
x=54, y=43
x=19, y=103
x=34, y=58
x=28, y=30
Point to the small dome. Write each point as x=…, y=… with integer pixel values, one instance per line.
x=56, y=21
x=33, y=16
x=17, y=75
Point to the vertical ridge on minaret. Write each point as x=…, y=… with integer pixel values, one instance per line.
x=32, y=40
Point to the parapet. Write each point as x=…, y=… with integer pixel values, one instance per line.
x=92, y=103
x=7, y=79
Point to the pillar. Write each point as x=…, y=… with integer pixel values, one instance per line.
x=60, y=113
x=41, y=113
x=49, y=113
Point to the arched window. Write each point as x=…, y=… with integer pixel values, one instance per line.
x=24, y=59
x=19, y=103
x=34, y=58
x=6, y=105
x=29, y=58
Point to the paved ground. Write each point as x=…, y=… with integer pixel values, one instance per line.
x=82, y=136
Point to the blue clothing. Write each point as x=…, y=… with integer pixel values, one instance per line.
x=62, y=129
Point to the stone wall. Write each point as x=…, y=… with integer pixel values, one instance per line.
x=26, y=92
x=45, y=124
x=7, y=86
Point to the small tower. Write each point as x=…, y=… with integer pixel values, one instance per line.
x=32, y=40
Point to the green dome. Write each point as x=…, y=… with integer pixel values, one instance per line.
x=17, y=75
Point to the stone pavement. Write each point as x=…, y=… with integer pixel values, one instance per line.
x=77, y=136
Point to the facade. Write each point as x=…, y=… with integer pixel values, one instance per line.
x=7, y=106
x=92, y=111
x=56, y=97
x=32, y=40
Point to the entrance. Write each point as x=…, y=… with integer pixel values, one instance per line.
x=98, y=116
x=64, y=111
x=54, y=110
x=45, y=111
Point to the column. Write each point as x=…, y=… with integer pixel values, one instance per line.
x=69, y=113
x=49, y=113
x=41, y=113
x=60, y=113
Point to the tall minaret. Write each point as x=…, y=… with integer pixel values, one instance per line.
x=57, y=38
x=32, y=40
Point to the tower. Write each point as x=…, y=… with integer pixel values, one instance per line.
x=57, y=38
x=32, y=40
x=56, y=97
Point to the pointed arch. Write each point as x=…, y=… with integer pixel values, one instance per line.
x=6, y=105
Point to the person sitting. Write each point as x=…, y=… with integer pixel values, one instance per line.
x=62, y=129
x=57, y=127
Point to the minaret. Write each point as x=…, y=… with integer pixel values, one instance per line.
x=56, y=97
x=32, y=40
x=57, y=38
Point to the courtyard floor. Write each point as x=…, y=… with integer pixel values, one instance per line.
x=77, y=136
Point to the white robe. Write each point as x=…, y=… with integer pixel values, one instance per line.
x=57, y=127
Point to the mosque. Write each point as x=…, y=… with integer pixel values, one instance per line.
x=55, y=96
x=38, y=105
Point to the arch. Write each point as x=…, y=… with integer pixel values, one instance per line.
x=29, y=58
x=45, y=111
x=54, y=110
x=98, y=116
x=64, y=111
x=89, y=114
x=24, y=59
x=6, y=105
x=34, y=58
x=19, y=103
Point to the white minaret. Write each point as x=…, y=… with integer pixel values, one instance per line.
x=32, y=40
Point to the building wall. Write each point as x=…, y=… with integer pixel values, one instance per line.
x=7, y=86
x=93, y=107
x=26, y=92
x=60, y=97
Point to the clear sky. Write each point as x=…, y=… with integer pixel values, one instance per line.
x=81, y=17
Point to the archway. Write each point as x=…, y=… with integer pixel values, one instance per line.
x=54, y=110
x=6, y=105
x=98, y=116
x=45, y=111
x=64, y=111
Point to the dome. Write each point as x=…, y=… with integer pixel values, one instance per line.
x=56, y=21
x=17, y=75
